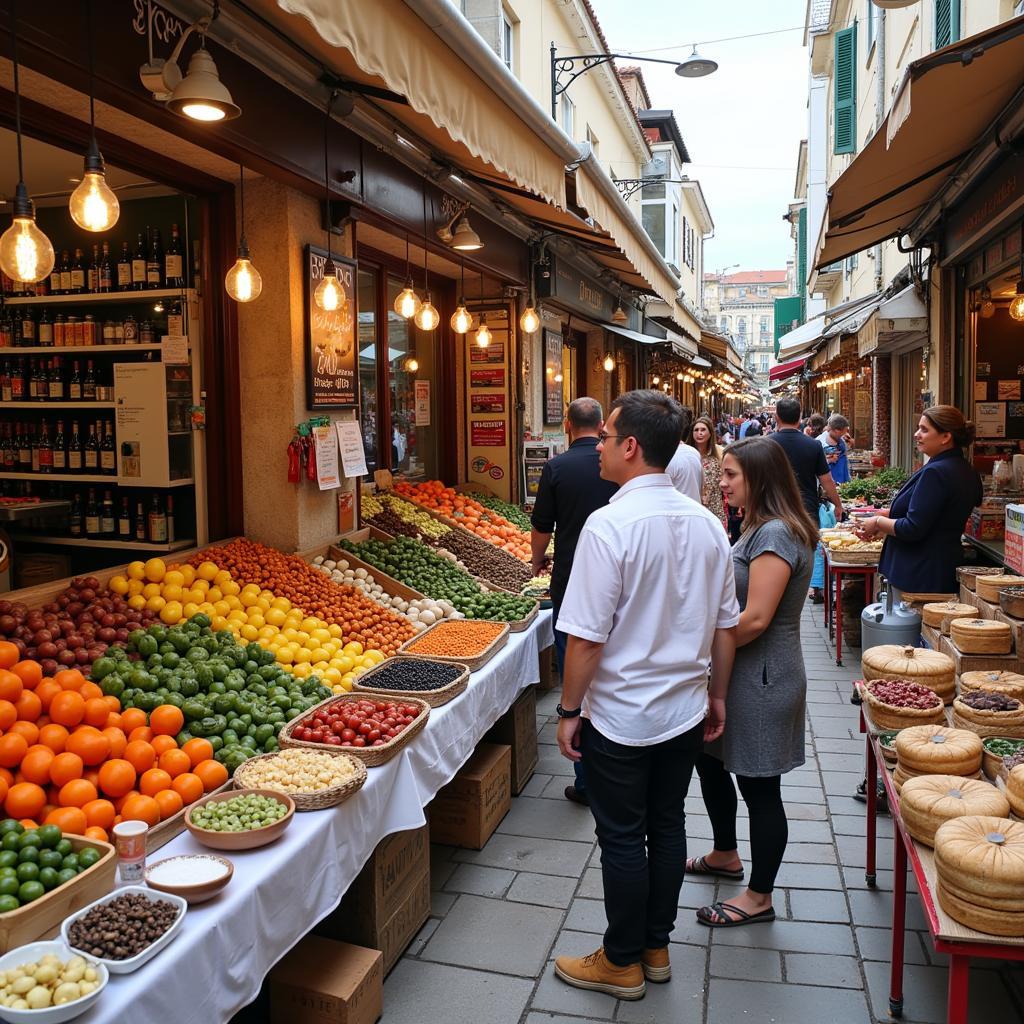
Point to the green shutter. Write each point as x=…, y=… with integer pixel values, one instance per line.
x=947, y=22
x=845, y=90
x=788, y=314
x=801, y=258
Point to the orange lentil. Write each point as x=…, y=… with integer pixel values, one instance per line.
x=455, y=638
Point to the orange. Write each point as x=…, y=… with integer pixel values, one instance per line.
x=175, y=762
x=54, y=736
x=68, y=709
x=198, y=749
x=212, y=773
x=29, y=706
x=141, y=808
x=117, y=777
x=141, y=755
x=90, y=691
x=142, y=733
x=95, y=832
x=169, y=803
x=99, y=813
x=92, y=775
x=153, y=781
x=25, y=800
x=28, y=730
x=163, y=743
x=120, y=802
x=77, y=793
x=96, y=712
x=69, y=679
x=29, y=672
x=113, y=704
x=27, y=823
x=118, y=740
x=90, y=744
x=188, y=786
x=9, y=654
x=3, y=790
x=10, y=686
x=132, y=718
x=46, y=691
x=8, y=714
x=68, y=819
x=12, y=749
x=7, y=775
x=65, y=767
x=166, y=720
x=35, y=765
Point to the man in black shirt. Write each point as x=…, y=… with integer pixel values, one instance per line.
x=570, y=489
x=807, y=458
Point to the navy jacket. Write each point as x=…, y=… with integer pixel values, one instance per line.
x=931, y=510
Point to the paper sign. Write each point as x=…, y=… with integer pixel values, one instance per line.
x=487, y=403
x=487, y=378
x=350, y=441
x=326, y=447
x=487, y=433
x=990, y=418
x=980, y=390
x=174, y=348
x=1008, y=390
x=421, y=399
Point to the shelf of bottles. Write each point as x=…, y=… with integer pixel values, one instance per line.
x=60, y=341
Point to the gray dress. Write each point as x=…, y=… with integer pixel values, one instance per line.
x=764, y=723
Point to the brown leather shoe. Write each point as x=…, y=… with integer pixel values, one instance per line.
x=598, y=974
x=656, y=966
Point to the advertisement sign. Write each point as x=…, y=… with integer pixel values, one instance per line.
x=990, y=418
x=494, y=353
x=421, y=400
x=1014, y=539
x=553, y=411
x=489, y=408
x=487, y=403
x=490, y=378
x=487, y=434
x=331, y=378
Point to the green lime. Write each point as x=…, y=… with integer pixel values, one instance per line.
x=29, y=838
x=71, y=862
x=11, y=825
x=64, y=847
x=8, y=873
x=8, y=858
x=9, y=886
x=28, y=872
x=49, y=836
x=49, y=878
x=88, y=857
x=8, y=903
x=65, y=875
x=30, y=891
x=30, y=855
x=10, y=841
x=49, y=859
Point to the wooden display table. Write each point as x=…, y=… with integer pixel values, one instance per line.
x=835, y=572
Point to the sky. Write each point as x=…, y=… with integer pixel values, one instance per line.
x=743, y=124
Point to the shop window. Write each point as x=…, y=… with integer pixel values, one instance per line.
x=368, y=410
x=654, y=223
x=568, y=118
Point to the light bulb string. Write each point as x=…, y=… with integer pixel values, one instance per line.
x=17, y=85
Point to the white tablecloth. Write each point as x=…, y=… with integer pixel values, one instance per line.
x=217, y=963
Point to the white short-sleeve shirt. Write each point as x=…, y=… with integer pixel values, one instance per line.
x=652, y=580
x=686, y=472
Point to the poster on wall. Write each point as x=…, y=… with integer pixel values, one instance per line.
x=494, y=353
x=488, y=406
x=1008, y=390
x=421, y=400
x=331, y=378
x=990, y=418
x=553, y=412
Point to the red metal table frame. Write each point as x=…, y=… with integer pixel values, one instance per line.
x=904, y=854
x=835, y=573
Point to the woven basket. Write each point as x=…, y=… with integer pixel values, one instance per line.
x=981, y=636
x=315, y=800
x=988, y=587
x=521, y=624
x=1013, y=787
x=1010, y=683
x=929, y=668
x=370, y=756
x=968, y=574
x=939, y=616
x=854, y=556
x=938, y=750
x=929, y=801
x=478, y=661
x=988, y=723
x=992, y=764
x=888, y=716
x=887, y=745
x=435, y=698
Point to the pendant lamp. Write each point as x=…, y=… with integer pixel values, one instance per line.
x=26, y=254
x=462, y=319
x=427, y=317
x=1017, y=305
x=243, y=281
x=329, y=294
x=529, y=321
x=483, y=332
x=407, y=302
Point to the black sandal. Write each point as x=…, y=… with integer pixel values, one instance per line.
x=700, y=866
x=708, y=915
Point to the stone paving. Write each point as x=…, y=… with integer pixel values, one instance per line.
x=501, y=915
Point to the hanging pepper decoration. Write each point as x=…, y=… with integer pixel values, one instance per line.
x=294, y=460
x=310, y=458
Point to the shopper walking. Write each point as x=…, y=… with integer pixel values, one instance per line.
x=570, y=489
x=767, y=693
x=702, y=439
x=807, y=458
x=684, y=469
x=650, y=605
x=833, y=440
x=814, y=425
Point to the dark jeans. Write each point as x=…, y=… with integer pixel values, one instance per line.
x=561, y=640
x=769, y=830
x=637, y=795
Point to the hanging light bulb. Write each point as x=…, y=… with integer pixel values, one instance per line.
x=407, y=301
x=529, y=321
x=462, y=319
x=412, y=364
x=609, y=363
x=679, y=376
x=656, y=380
x=986, y=307
x=243, y=281
x=1017, y=305
x=558, y=378
x=329, y=294
x=483, y=332
x=427, y=317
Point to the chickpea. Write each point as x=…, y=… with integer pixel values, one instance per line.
x=38, y=998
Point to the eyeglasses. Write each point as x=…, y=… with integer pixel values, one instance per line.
x=603, y=436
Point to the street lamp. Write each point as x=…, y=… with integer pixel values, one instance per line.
x=564, y=73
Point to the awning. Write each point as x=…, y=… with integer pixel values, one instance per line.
x=944, y=105
x=784, y=370
x=625, y=332
x=700, y=362
x=674, y=315
x=682, y=347
x=385, y=44
x=800, y=341
x=898, y=325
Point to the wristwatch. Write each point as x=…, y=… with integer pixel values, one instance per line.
x=562, y=713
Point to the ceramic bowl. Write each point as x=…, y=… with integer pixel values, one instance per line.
x=241, y=840
x=51, y=1014
x=192, y=892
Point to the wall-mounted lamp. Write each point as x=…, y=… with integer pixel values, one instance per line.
x=608, y=362
x=459, y=234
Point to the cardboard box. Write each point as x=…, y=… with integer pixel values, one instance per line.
x=468, y=810
x=382, y=885
x=518, y=728
x=549, y=678
x=1013, y=553
x=325, y=982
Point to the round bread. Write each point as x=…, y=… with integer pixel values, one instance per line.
x=981, y=636
x=982, y=919
x=926, y=802
x=982, y=855
x=1010, y=683
x=988, y=587
x=968, y=574
x=1015, y=790
x=930, y=668
x=941, y=614
x=936, y=749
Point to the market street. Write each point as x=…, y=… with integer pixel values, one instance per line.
x=500, y=916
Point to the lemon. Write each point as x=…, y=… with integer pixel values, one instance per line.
x=151, y=590
x=282, y=602
x=214, y=594
x=189, y=610
x=256, y=620
x=229, y=586
x=173, y=578
x=284, y=656
x=232, y=601
x=201, y=585
x=155, y=570
x=136, y=602
x=346, y=663
x=171, y=612
x=335, y=630
x=136, y=570
x=359, y=670
x=219, y=622
x=274, y=617
x=353, y=647
x=136, y=587
x=248, y=599
x=171, y=592
x=332, y=676
x=207, y=571
x=118, y=584
x=266, y=632
x=250, y=632
x=302, y=656
x=188, y=574
x=155, y=603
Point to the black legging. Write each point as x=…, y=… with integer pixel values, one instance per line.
x=769, y=830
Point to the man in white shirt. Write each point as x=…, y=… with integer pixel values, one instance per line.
x=650, y=603
x=684, y=468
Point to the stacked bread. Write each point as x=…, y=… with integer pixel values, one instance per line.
x=981, y=636
x=988, y=587
x=930, y=668
x=929, y=801
x=1015, y=790
x=1009, y=683
x=979, y=860
x=936, y=750
x=988, y=713
x=940, y=615
x=968, y=574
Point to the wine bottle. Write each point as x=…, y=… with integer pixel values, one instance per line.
x=170, y=520
x=104, y=273
x=173, y=263
x=92, y=273
x=157, y=521
x=155, y=261
x=124, y=269
x=56, y=380
x=92, y=515
x=89, y=382
x=108, y=458
x=65, y=273
x=78, y=272
x=45, y=331
x=108, y=521
x=44, y=450
x=124, y=521
x=24, y=449
x=60, y=449
x=140, y=521
x=139, y=264
x=92, y=451
x=77, y=517
x=76, y=460
x=75, y=382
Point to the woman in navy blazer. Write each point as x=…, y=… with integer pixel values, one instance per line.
x=923, y=527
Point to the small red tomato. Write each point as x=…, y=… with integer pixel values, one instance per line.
x=334, y=741
x=348, y=735
x=359, y=741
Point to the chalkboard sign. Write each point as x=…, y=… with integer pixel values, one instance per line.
x=331, y=378
x=553, y=404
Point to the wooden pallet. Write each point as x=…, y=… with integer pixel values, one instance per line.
x=978, y=662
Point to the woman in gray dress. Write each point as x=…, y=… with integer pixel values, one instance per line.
x=764, y=722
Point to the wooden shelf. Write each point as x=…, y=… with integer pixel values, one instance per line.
x=55, y=350
x=87, y=542
x=61, y=478
x=140, y=298
x=56, y=405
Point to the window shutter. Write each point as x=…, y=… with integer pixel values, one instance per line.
x=845, y=91
x=801, y=258
x=947, y=22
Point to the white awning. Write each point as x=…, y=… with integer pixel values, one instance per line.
x=801, y=340
x=899, y=324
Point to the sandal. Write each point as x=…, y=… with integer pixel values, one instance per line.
x=715, y=916
x=700, y=866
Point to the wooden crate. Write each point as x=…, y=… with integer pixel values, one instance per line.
x=932, y=636
x=1016, y=629
x=390, y=585
x=986, y=609
x=978, y=662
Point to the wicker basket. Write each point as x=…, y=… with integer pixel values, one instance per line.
x=938, y=750
x=992, y=764
x=988, y=587
x=478, y=661
x=522, y=624
x=929, y=801
x=981, y=636
x=315, y=800
x=988, y=723
x=1013, y=787
x=889, y=716
x=968, y=575
x=900, y=776
x=939, y=616
x=929, y=668
x=887, y=745
x=1010, y=683
x=435, y=698
x=370, y=756
x=854, y=555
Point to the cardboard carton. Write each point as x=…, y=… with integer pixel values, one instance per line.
x=518, y=728
x=468, y=810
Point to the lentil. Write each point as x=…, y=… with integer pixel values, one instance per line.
x=989, y=700
x=456, y=639
x=299, y=770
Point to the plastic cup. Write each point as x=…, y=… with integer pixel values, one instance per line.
x=130, y=844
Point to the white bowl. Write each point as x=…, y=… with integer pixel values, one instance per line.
x=135, y=962
x=51, y=1014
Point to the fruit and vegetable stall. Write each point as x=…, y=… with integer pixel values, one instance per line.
x=268, y=719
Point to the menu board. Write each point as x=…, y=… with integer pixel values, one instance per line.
x=331, y=378
x=553, y=411
x=488, y=455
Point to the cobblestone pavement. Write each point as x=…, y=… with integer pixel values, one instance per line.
x=499, y=916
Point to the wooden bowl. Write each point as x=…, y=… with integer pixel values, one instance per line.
x=192, y=892
x=241, y=840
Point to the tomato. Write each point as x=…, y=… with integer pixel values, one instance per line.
x=359, y=741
